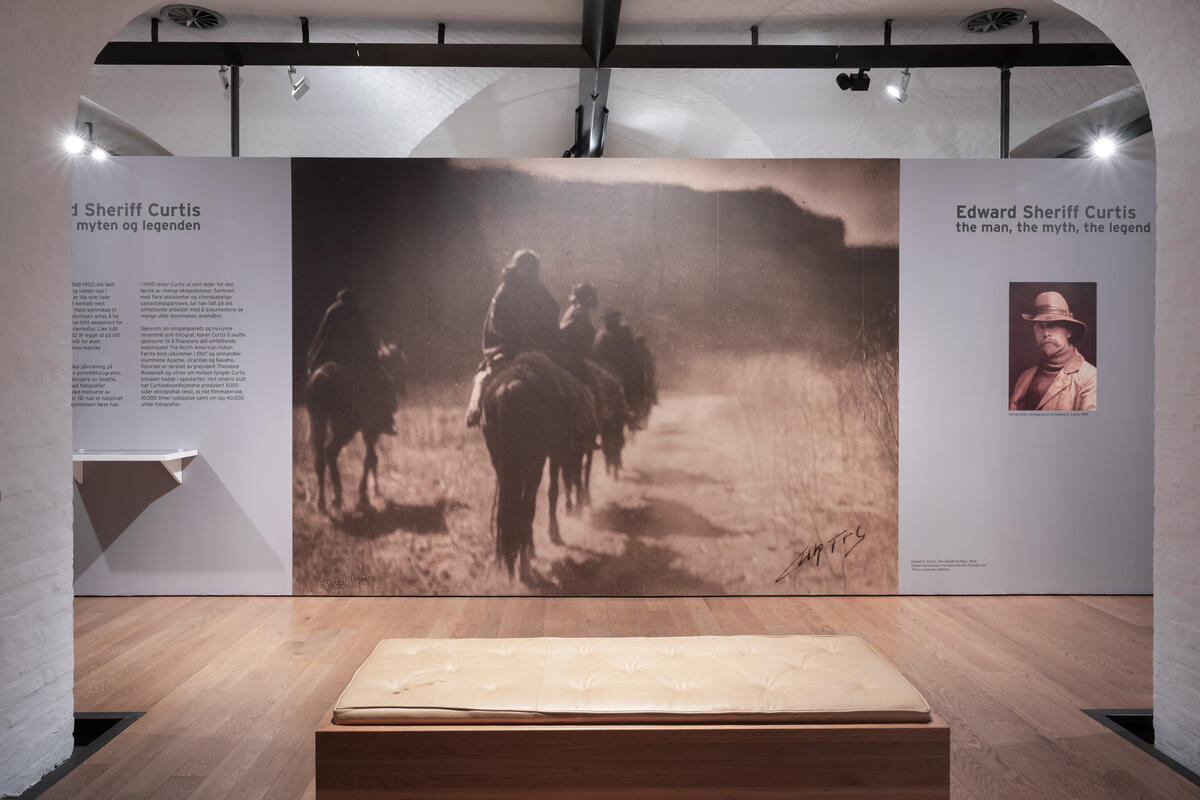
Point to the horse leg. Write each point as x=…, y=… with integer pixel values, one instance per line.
x=370, y=465
x=570, y=475
x=585, y=496
x=531, y=482
x=375, y=471
x=340, y=434
x=316, y=434
x=552, y=496
x=568, y=489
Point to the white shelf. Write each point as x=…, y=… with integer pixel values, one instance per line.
x=172, y=460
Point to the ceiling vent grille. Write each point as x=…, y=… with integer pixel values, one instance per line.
x=193, y=17
x=994, y=19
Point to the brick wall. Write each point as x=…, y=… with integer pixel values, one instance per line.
x=1160, y=40
x=1177, y=441
x=46, y=47
x=36, y=668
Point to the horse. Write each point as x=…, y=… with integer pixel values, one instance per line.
x=613, y=415
x=649, y=370
x=527, y=417
x=340, y=404
x=597, y=409
x=627, y=357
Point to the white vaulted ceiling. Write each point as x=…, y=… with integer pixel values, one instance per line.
x=393, y=112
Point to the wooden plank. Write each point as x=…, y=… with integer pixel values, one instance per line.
x=1135, y=610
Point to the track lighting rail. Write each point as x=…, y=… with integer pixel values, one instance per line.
x=574, y=56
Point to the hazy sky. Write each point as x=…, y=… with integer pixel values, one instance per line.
x=864, y=193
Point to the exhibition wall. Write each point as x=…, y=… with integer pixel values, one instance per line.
x=835, y=345
x=182, y=342
x=994, y=499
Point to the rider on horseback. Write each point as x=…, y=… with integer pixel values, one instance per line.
x=576, y=333
x=575, y=328
x=523, y=316
x=344, y=337
x=616, y=348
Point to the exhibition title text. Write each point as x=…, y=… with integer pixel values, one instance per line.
x=135, y=216
x=1068, y=218
x=1068, y=211
x=135, y=210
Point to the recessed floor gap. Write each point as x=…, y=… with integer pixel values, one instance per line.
x=93, y=730
x=1136, y=725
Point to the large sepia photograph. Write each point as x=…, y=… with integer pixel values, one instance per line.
x=595, y=377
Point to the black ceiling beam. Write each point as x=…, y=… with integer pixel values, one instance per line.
x=573, y=56
x=325, y=54
x=896, y=56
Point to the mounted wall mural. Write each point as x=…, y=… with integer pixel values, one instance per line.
x=688, y=377
x=684, y=373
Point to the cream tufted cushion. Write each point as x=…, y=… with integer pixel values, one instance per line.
x=664, y=679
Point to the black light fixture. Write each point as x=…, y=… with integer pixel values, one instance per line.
x=858, y=82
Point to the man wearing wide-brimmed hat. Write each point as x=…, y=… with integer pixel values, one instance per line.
x=1062, y=380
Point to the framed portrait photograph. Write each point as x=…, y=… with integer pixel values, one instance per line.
x=1052, y=347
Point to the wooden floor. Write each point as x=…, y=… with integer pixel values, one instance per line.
x=233, y=688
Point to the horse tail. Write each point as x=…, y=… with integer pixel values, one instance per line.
x=508, y=518
x=502, y=431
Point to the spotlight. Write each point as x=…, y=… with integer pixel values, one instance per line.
x=99, y=153
x=858, y=82
x=1104, y=147
x=300, y=86
x=897, y=87
x=74, y=144
x=223, y=75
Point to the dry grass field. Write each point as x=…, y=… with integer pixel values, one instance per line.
x=776, y=475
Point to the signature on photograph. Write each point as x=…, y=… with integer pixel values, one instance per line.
x=843, y=541
x=342, y=585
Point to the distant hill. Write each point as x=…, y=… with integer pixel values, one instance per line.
x=733, y=271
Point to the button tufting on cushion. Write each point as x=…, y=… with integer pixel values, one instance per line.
x=685, y=678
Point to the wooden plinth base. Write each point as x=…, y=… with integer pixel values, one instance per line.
x=624, y=762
